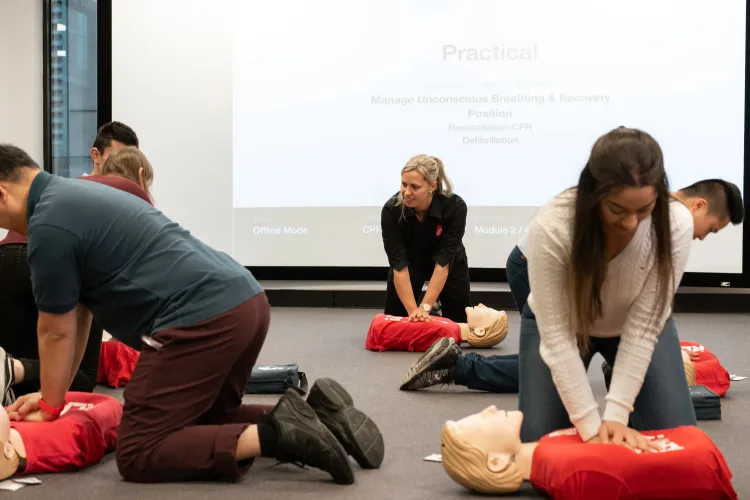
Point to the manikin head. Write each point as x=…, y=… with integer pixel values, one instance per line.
x=110, y=138
x=17, y=172
x=487, y=327
x=714, y=203
x=422, y=178
x=9, y=456
x=130, y=163
x=478, y=452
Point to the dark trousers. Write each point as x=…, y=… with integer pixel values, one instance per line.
x=18, y=335
x=663, y=402
x=183, y=412
x=517, y=270
x=454, y=299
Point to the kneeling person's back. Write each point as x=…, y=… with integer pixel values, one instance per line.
x=131, y=266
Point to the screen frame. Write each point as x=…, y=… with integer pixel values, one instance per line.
x=332, y=273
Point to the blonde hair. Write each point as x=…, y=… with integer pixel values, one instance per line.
x=433, y=170
x=689, y=368
x=493, y=334
x=127, y=163
x=468, y=465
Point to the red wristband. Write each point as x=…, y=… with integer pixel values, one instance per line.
x=54, y=411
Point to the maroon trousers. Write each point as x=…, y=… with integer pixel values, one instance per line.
x=183, y=412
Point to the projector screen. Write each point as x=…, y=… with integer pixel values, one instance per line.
x=328, y=99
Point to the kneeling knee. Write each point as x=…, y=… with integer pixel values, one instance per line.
x=132, y=465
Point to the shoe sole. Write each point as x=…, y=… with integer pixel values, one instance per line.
x=436, y=352
x=343, y=474
x=361, y=437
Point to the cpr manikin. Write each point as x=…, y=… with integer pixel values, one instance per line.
x=83, y=433
x=483, y=452
x=485, y=327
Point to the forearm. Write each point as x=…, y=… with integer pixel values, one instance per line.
x=437, y=282
x=402, y=282
x=568, y=372
x=82, y=337
x=56, y=354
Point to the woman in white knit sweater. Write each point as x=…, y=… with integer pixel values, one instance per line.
x=605, y=259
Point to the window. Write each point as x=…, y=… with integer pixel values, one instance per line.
x=72, y=90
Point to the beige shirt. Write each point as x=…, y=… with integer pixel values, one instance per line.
x=629, y=306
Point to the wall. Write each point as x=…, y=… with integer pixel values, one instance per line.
x=171, y=82
x=21, y=87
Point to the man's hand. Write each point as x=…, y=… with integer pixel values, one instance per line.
x=26, y=406
x=617, y=433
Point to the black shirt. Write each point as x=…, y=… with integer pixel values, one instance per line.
x=436, y=240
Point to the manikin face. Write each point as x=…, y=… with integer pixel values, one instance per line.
x=497, y=432
x=9, y=452
x=703, y=222
x=481, y=317
x=622, y=210
x=416, y=190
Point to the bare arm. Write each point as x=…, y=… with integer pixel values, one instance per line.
x=83, y=327
x=57, y=351
x=402, y=282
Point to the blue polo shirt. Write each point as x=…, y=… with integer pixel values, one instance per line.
x=131, y=266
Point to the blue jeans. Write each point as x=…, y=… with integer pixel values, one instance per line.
x=488, y=373
x=517, y=270
x=664, y=401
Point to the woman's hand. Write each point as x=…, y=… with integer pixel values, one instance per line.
x=616, y=433
x=26, y=406
x=419, y=315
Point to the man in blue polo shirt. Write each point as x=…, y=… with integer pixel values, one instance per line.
x=198, y=315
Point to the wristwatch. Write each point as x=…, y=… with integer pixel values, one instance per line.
x=426, y=307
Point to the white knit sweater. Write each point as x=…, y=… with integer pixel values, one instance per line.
x=629, y=303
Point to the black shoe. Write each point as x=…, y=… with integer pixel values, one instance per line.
x=436, y=366
x=303, y=439
x=355, y=430
x=607, y=371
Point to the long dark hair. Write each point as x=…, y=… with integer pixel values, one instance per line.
x=622, y=158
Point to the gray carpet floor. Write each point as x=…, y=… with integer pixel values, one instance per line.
x=329, y=343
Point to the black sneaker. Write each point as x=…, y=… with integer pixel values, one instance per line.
x=304, y=440
x=7, y=376
x=355, y=430
x=435, y=367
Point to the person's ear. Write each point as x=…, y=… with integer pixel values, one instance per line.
x=497, y=462
x=8, y=450
x=479, y=332
x=700, y=206
x=141, y=179
x=95, y=155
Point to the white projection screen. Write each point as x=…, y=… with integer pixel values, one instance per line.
x=278, y=129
